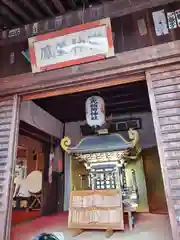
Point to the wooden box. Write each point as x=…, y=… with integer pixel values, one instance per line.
x=96, y=209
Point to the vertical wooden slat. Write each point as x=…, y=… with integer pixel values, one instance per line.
x=9, y=121
x=166, y=116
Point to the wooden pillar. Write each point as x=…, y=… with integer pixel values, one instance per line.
x=164, y=92
x=9, y=123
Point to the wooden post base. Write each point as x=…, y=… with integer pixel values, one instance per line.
x=77, y=232
x=109, y=233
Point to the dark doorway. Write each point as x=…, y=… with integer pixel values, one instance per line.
x=53, y=193
x=154, y=181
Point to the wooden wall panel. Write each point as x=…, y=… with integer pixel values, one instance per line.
x=166, y=115
x=126, y=37
x=9, y=121
x=20, y=64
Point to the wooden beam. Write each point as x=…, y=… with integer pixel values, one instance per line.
x=5, y=21
x=72, y=4
x=123, y=91
x=116, y=8
x=119, y=97
x=164, y=154
x=83, y=87
x=1, y=21
x=6, y=12
x=136, y=61
x=131, y=62
x=30, y=131
x=126, y=109
x=59, y=6
x=46, y=8
x=33, y=9
x=85, y=3
x=107, y=0
x=14, y=7
x=130, y=101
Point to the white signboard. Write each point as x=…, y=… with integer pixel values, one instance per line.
x=160, y=23
x=55, y=50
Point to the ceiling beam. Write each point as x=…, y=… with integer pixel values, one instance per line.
x=135, y=108
x=59, y=6
x=30, y=131
x=127, y=102
x=72, y=4
x=7, y=12
x=109, y=100
x=33, y=9
x=46, y=8
x=81, y=116
x=1, y=21
x=106, y=0
x=122, y=90
x=130, y=95
x=116, y=8
x=85, y=3
x=5, y=21
x=14, y=7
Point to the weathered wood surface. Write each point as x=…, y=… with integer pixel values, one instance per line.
x=110, y=9
x=173, y=164
x=164, y=91
x=8, y=141
x=87, y=75
x=126, y=36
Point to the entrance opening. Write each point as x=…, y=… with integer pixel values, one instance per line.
x=29, y=164
x=44, y=122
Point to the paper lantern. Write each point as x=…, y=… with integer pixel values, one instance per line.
x=95, y=111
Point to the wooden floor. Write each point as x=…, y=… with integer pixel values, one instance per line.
x=148, y=227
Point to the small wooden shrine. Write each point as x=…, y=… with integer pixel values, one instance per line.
x=99, y=191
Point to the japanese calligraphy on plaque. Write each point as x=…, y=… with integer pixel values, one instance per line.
x=95, y=111
x=94, y=106
x=71, y=47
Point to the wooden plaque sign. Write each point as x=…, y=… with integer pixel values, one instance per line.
x=84, y=43
x=96, y=209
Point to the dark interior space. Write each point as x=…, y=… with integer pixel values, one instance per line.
x=119, y=100
x=128, y=98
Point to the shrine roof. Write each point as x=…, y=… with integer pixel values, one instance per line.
x=101, y=143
